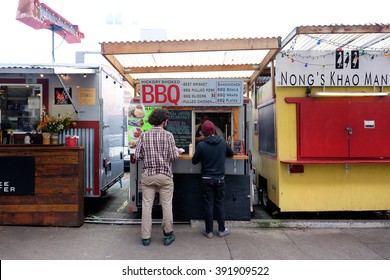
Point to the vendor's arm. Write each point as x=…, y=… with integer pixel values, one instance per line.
x=199, y=138
x=229, y=151
x=198, y=135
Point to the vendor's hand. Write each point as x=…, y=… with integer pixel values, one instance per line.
x=200, y=138
x=180, y=150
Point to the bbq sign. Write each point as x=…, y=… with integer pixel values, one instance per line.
x=333, y=68
x=17, y=175
x=192, y=92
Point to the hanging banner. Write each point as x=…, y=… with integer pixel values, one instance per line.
x=137, y=123
x=332, y=68
x=192, y=92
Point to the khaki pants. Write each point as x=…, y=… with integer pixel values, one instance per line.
x=150, y=185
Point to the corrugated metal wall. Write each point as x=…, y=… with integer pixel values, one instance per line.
x=86, y=139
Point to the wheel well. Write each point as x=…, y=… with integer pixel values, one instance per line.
x=262, y=182
x=263, y=191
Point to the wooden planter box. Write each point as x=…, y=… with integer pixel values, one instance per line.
x=56, y=195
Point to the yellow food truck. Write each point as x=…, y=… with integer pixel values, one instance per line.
x=322, y=122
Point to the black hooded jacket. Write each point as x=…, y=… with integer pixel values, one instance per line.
x=211, y=153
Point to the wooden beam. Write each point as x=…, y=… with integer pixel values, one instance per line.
x=344, y=29
x=118, y=66
x=190, y=68
x=117, y=48
x=263, y=65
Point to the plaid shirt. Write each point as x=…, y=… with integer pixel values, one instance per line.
x=157, y=149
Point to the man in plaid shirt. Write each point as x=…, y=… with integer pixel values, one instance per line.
x=157, y=149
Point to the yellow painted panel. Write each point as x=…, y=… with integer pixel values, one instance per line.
x=336, y=187
x=269, y=167
x=322, y=187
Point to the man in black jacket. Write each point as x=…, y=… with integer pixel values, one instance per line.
x=211, y=153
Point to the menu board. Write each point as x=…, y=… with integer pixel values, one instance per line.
x=179, y=124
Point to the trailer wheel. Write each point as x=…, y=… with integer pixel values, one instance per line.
x=263, y=193
x=264, y=198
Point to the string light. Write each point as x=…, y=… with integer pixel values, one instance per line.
x=298, y=57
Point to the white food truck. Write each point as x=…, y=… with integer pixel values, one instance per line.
x=94, y=97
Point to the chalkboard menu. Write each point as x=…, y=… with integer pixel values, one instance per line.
x=179, y=124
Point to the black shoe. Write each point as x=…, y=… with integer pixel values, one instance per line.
x=146, y=242
x=168, y=239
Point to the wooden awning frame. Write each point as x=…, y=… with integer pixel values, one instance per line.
x=111, y=50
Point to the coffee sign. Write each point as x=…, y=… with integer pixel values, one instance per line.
x=17, y=175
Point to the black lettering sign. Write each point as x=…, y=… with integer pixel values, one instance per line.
x=17, y=175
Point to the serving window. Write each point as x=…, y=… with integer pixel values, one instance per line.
x=20, y=106
x=184, y=124
x=221, y=120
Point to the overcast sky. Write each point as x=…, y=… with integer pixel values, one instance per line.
x=177, y=19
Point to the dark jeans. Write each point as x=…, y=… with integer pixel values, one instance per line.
x=214, y=196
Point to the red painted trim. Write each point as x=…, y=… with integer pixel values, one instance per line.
x=13, y=81
x=96, y=150
x=325, y=99
x=336, y=161
x=264, y=101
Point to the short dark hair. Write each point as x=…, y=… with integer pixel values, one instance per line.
x=158, y=116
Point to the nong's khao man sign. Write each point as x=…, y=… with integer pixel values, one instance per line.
x=192, y=92
x=333, y=68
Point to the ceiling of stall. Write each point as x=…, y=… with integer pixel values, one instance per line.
x=373, y=37
x=219, y=58
x=247, y=58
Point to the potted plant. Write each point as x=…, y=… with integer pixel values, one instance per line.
x=50, y=126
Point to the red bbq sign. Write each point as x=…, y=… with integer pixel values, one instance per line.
x=192, y=92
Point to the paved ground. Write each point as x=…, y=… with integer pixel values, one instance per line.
x=110, y=236
x=122, y=242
